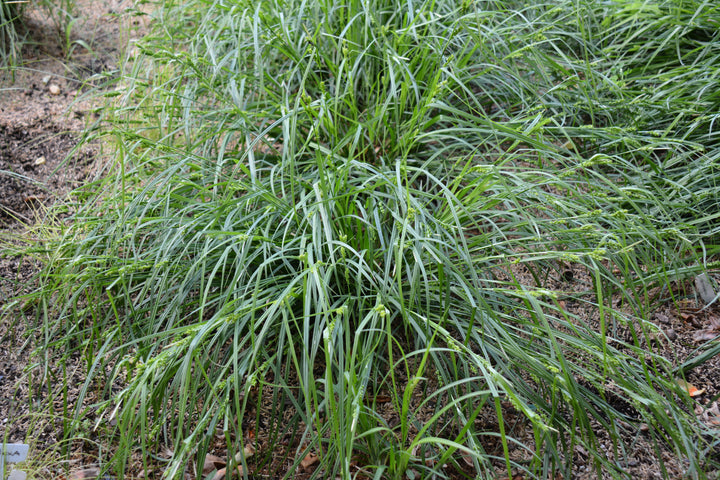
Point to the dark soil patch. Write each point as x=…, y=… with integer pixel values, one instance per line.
x=34, y=169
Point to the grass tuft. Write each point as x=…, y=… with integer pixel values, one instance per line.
x=320, y=213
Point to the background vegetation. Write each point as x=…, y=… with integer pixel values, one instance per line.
x=14, y=32
x=9, y=17
x=312, y=205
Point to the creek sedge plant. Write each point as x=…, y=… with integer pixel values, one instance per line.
x=336, y=225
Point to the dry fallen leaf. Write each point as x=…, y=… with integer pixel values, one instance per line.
x=212, y=462
x=221, y=474
x=691, y=389
x=85, y=474
x=309, y=460
x=709, y=415
x=709, y=332
x=705, y=335
x=248, y=451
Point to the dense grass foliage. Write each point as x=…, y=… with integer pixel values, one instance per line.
x=314, y=204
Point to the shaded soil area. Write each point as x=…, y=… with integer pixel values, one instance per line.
x=34, y=171
x=43, y=114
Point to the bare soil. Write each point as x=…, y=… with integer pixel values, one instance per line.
x=43, y=114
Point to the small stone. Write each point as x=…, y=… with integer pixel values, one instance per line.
x=40, y=160
x=671, y=335
x=705, y=288
x=46, y=79
x=54, y=89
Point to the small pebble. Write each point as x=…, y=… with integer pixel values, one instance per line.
x=705, y=288
x=54, y=89
x=670, y=332
x=40, y=160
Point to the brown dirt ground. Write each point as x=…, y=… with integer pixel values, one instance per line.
x=42, y=115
